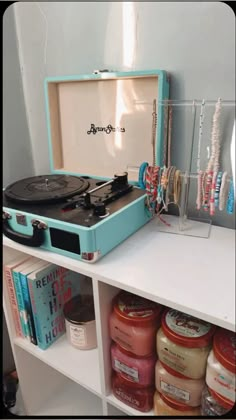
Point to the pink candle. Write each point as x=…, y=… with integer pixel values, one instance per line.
x=140, y=370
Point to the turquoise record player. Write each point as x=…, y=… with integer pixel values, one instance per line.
x=100, y=128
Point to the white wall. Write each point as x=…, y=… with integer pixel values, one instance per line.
x=194, y=41
x=17, y=153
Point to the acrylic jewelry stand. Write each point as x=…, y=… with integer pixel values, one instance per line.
x=191, y=136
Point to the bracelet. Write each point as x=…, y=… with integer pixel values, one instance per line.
x=207, y=190
x=170, y=185
x=141, y=176
x=230, y=202
x=177, y=186
x=217, y=189
x=223, y=191
x=199, y=190
x=212, y=196
x=164, y=178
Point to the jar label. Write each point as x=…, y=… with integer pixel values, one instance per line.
x=186, y=325
x=131, y=372
x=135, y=306
x=78, y=335
x=127, y=398
x=178, y=393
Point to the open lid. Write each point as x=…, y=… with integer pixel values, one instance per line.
x=101, y=124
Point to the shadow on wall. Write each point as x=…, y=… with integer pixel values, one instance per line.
x=17, y=154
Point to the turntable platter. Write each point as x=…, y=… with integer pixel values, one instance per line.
x=46, y=188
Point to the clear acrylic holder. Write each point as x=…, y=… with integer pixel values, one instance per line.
x=181, y=224
x=185, y=219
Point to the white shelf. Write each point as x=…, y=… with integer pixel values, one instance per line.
x=71, y=400
x=193, y=275
x=69, y=361
x=125, y=408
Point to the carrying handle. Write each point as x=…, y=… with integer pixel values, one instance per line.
x=35, y=240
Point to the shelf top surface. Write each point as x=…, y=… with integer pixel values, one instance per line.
x=71, y=362
x=193, y=275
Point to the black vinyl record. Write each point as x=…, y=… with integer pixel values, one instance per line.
x=46, y=188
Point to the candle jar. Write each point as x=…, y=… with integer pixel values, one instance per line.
x=80, y=322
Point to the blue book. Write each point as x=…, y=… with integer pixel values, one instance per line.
x=26, y=297
x=50, y=288
x=19, y=295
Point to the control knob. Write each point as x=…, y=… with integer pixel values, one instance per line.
x=99, y=209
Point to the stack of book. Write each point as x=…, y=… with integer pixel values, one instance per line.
x=37, y=293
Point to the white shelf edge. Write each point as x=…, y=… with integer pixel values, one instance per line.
x=70, y=263
x=40, y=354
x=97, y=272
x=111, y=399
x=179, y=307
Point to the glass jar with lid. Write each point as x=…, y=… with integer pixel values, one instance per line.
x=221, y=365
x=165, y=406
x=134, y=322
x=188, y=391
x=132, y=394
x=139, y=369
x=213, y=404
x=183, y=343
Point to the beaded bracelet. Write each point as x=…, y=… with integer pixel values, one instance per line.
x=159, y=188
x=164, y=178
x=177, y=186
x=223, y=191
x=151, y=181
x=230, y=201
x=170, y=185
x=212, y=194
x=142, y=174
x=217, y=189
x=207, y=190
x=199, y=190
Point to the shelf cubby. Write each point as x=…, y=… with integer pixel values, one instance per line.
x=176, y=271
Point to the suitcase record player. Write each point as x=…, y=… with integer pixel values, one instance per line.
x=99, y=126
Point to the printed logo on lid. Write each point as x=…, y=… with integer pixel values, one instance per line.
x=186, y=325
x=135, y=306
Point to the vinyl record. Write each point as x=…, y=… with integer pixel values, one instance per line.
x=46, y=188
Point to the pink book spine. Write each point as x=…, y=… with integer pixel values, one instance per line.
x=13, y=301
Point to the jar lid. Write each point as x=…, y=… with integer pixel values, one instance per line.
x=135, y=309
x=186, y=330
x=224, y=402
x=224, y=347
x=177, y=405
x=79, y=309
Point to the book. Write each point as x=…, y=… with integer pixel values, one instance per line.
x=12, y=293
x=50, y=288
x=19, y=295
x=26, y=297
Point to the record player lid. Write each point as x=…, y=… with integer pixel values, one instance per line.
x=101, y=124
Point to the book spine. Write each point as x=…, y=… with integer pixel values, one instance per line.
x=38, y=331
x=13, y=302
x=20, y=302
x=28, y=308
